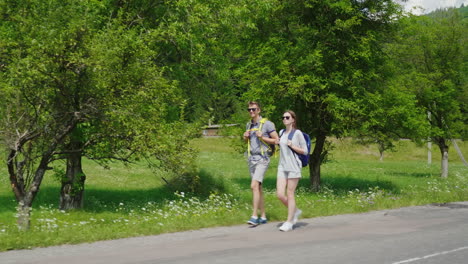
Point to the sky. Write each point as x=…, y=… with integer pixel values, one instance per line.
x=431, y=5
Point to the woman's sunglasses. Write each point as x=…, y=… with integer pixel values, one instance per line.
x=251, y=109
x=286, y=117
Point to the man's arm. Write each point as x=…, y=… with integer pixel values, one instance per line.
x=272, y=139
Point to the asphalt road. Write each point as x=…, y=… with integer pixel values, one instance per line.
x=415, y=235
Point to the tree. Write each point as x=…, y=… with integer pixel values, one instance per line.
x=392, y=113
x=319, y=58
x=32, y=128
x=431, y=53
x=79, y=84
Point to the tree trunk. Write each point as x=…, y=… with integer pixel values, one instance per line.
x=381, y=150
x=429, y=152
x=23, y=216
x=19, y=158
x=444, y=159
x=72, y=191
x=429, y=142
x=315, y=162
x=25, y=194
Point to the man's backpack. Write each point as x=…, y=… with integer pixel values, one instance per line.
x=303, y=157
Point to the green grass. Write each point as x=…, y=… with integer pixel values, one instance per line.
x=132, y=201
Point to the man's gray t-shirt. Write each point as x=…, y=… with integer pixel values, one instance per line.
x=256, y=145
x=289, y=161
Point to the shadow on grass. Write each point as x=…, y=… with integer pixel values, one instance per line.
x=337, y=184
x=96, y=200
x=346, y=184
x=413, y=174
x=200, y=185
x=107, y=200
x=7, y=202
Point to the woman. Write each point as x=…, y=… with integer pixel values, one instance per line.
x=289, y=167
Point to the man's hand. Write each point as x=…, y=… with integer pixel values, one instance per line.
x=246, y=134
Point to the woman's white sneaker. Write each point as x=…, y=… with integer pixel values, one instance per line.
x=287, y=226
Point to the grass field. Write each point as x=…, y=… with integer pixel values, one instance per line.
x=132, y=201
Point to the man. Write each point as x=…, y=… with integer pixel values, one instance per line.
x=259, y=134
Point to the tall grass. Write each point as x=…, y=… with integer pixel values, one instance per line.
x=129, y=201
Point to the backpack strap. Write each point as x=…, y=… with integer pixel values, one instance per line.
x=262, y=121
x=290, y=135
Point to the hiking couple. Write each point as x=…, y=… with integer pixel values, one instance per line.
x=261, y=138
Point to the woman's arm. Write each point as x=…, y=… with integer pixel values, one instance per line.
x=297, y=149
x=298, y=143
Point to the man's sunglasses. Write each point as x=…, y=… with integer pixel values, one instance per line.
x=286, y=117
x=252, y=109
